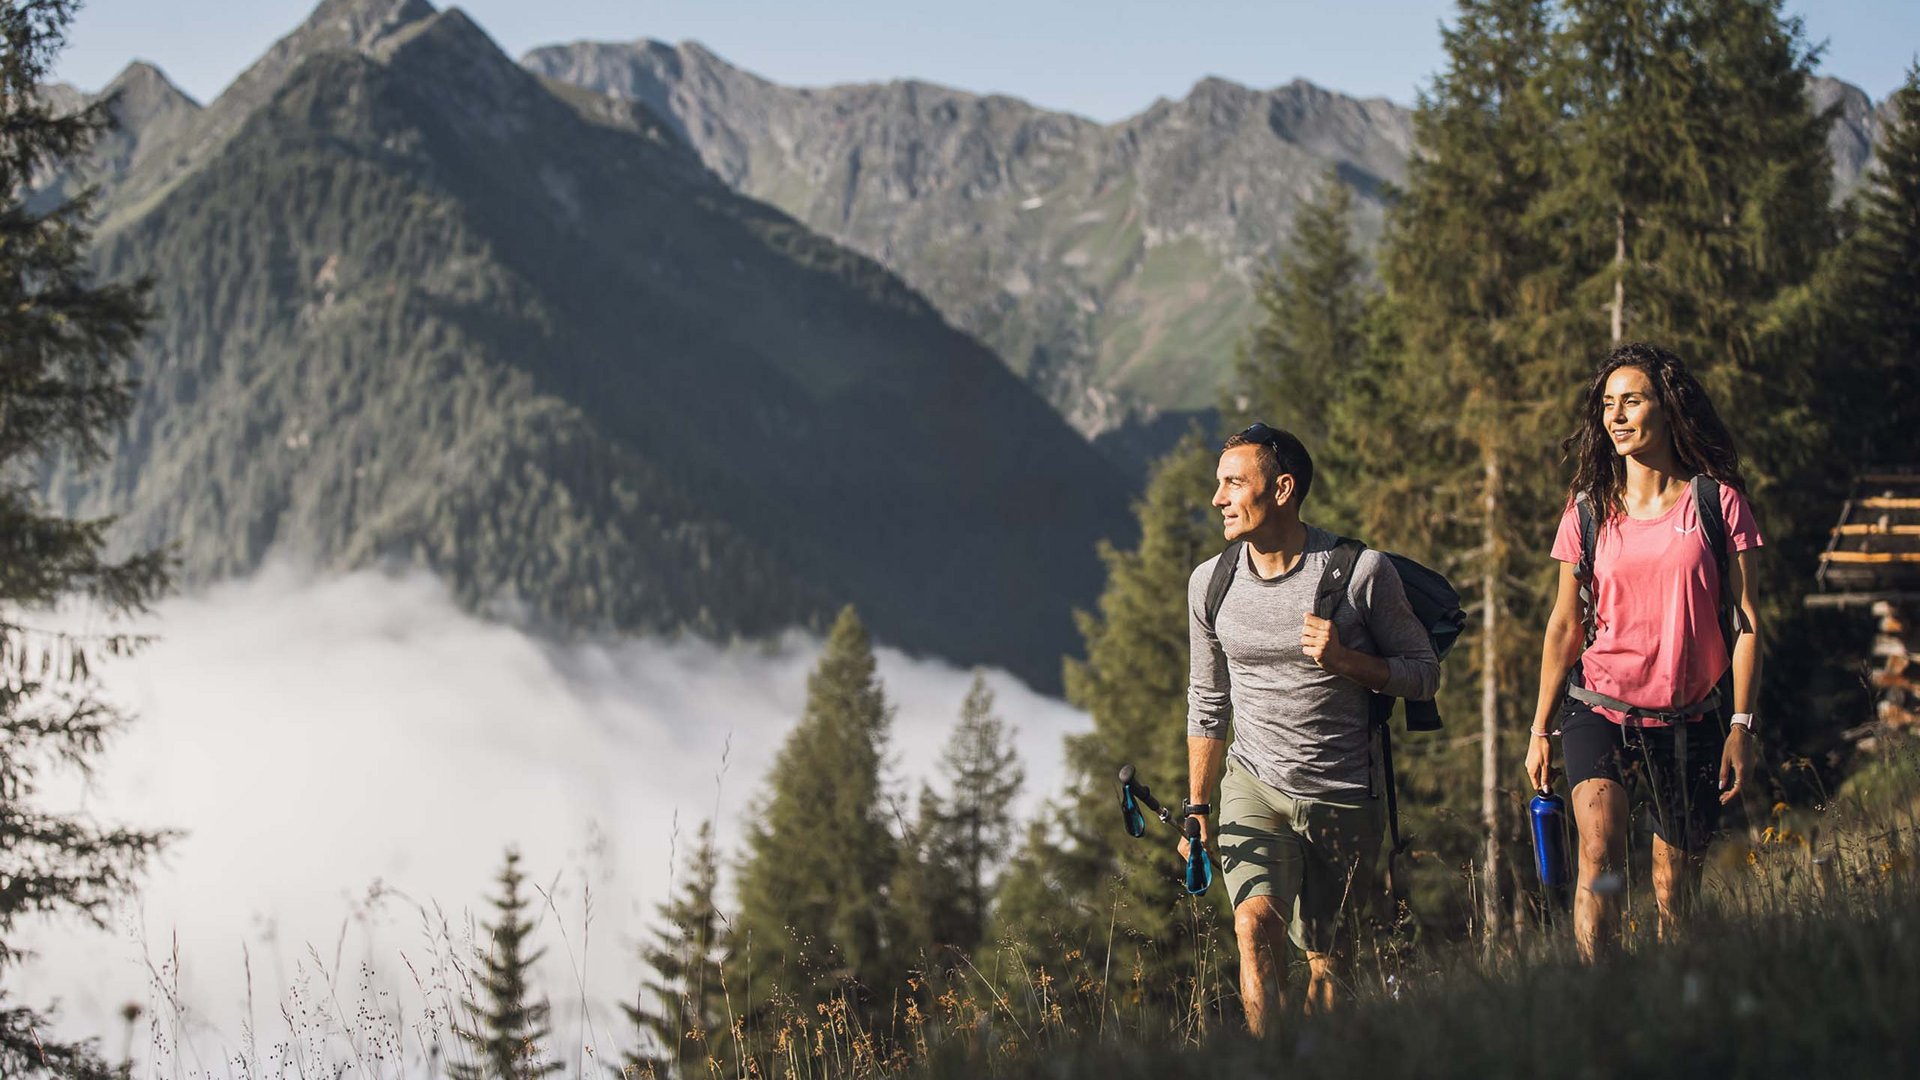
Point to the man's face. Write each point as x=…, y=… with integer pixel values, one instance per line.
x=1245, y=497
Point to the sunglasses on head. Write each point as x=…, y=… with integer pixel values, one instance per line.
x=1261, y=433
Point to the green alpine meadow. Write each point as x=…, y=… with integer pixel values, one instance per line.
x=621, y=563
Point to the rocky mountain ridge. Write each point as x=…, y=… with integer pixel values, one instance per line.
x=418, y=306
x=1112, y=265
x=1109, y=264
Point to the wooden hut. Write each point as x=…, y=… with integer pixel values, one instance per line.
x=1872, y=562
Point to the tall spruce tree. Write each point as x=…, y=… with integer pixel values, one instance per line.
x=1698, y=181
x=682, y=1011
x=985, y=773
x=1312, y=303
x=1311, y=340
x=63, y=340
x=927, y=890
x=1084, y=885
x=505, y=1027
x=1454, y=418
x=813, y=888
x=1871, y=298
x=961, y=838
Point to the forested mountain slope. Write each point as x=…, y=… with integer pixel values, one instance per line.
x=1111, y=264
x=417, y=306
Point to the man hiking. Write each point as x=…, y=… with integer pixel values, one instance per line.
x=1299, y=821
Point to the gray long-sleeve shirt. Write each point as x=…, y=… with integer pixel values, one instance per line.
x=1295, y=726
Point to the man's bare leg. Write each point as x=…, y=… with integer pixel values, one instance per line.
x=1321, y=985
x=1262, y=933
x=1600, y=809
x=1675, y=877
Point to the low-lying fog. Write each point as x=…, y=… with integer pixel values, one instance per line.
x=348, y=755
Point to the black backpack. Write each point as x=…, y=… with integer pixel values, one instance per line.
x=1435, y=603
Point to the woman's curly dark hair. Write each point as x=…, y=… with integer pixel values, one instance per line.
x=1700, y=440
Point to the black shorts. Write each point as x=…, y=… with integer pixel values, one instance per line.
x=1641, y=759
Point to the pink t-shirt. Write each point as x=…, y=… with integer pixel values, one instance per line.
x=1657, y=601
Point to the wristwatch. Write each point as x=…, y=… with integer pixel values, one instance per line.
x=1196, y=809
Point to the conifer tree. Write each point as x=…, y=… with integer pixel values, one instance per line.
x=1698, y=180
x=505, y=1027
x=687, y=1020
x=813, y=888
x=1872, y=299
x=984, y=770
x=960, y=839
x=1312, y=305
x=63, y=340
x=1453, y=420
x=926, y=889
x=1065, y=892
x=1311, y=341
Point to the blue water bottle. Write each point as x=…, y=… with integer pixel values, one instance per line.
x=1548, y=812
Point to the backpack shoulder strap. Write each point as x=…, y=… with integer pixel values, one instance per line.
x=1583, y=570
x=1706, y=506
x=1222, y=580
x=1337, y=576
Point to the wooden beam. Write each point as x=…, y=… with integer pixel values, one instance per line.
x=1874, y=528
x=1875, y=558
x=1883, y=502
x=1860, y=599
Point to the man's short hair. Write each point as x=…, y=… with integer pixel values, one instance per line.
x=1280, y=452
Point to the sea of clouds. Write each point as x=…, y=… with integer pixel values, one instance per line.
x=349, y=756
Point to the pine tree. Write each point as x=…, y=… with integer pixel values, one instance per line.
x=63, y=339
x=1085, y=886
x=688, y=1020
x=813, y=889
x=1871, y=296
x=505, y=1027
x=1698, y=182
x=959, y=840
x=1454, y=418
x=1311, y=340
x=1311, y=333
x=984, y=772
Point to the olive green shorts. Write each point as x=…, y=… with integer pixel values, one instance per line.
x=1309, y=855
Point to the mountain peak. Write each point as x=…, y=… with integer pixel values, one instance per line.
x=359, y=22
x=335, y=24
x=457, y=58
x=146, y=88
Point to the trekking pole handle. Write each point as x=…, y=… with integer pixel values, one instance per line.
x=1129, y=779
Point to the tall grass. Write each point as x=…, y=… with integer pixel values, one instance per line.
x=1802, y=959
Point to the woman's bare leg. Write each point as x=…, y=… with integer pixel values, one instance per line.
x=1600, y=811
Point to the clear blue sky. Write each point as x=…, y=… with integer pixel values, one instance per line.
x=1106, y=59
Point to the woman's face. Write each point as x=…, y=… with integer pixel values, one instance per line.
x=1631, y=414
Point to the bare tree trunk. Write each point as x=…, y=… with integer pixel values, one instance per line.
x=1619, y=273
x=1490, y=593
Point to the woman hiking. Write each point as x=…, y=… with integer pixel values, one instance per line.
x=1651, y=663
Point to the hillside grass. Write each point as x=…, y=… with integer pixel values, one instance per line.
x=1803, y=959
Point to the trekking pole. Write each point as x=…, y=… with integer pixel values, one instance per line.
x=1134, y=794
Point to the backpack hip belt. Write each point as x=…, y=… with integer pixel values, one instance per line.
x=1705, y=705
